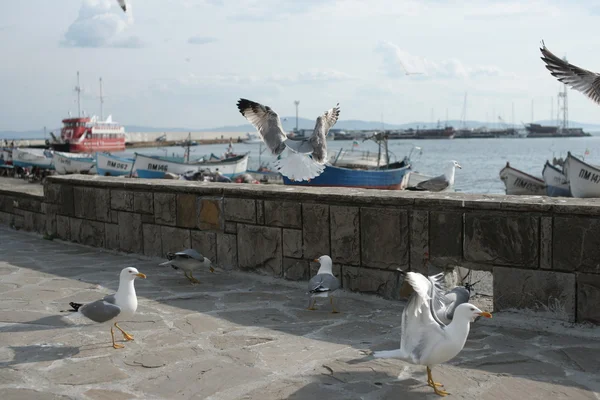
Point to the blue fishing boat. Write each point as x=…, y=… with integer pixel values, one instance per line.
x=557, y=184
x=109, y=165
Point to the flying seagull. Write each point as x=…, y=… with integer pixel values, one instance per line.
x=298, y=165
x=188, y=260
x=424, y=340
x=439, y=183
x=112, y=308
x=323, y=284
x=122, y=4
x=580, y=79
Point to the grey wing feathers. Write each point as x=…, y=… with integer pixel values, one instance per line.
x=303, y=146
x=100, y=310
x=318, y=140
x=323, y=283
x=455, y=298
x=267, y=123
x=190, y=253
x=579, y=79
x=110, y=299
x=434, y=184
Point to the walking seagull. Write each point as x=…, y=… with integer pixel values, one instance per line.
x=424, y=340
x=112, y=308
x=439, y=183
x=587, y=82
x=188, y=260
x=298, y=165
x=323, y=284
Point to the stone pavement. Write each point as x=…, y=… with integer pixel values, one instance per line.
x=243, y=336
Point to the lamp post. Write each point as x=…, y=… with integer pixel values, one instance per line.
x=296, y=103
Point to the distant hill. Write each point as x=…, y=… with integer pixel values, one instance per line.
x=289, y=123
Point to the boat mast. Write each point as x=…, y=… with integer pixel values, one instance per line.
x=101, y=102
x=78, y=90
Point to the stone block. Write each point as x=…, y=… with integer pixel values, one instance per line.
x=50, y=216
x=67, y=201
x=259, y=248
x=92, y=203
x=186, y=210
x=111, y=236
x=588, y=298
x=152, y=241
x=227, y=255
x=210, y=214
x=419, y=240
x=315, y=230
x=295, y=270
x=87, y=232
x=34, y=222
x=206, y=244
x=143, y=202
x=131, y=237
x=240, y=210
x=175, y=239
x=549, y=292
x=445, y=236
x=52, y=193
x=292, y=243
x=230, y=227
x=7, y=203
x=29, y=204
x=260, y=212
x=165, y=208
x=286, y=214
x=576, y=244
x=546, y=242
x=367, y=280
x=384, y=237
x=502, y=239
x=121, y=200
x=345, y=235
x=63, y=227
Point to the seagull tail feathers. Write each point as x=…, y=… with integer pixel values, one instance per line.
x=298, y=167
x=398, y=353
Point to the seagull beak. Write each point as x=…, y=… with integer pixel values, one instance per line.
x=485, y=314
x=316, y=260
x=458, y=166
x=140, y=275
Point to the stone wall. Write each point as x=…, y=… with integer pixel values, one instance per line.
x=544, y=253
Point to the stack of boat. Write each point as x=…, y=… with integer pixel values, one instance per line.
x=572, y=177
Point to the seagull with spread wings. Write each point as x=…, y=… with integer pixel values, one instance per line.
x=306, y=157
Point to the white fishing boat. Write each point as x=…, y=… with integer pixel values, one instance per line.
x=28, y=158
x=110, y=165
x=584, y=178
x=74, y=163
x=252, y=138
x=557, y=184
x=521, y=183
x=155, y=167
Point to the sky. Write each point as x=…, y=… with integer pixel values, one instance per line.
x=185, y=63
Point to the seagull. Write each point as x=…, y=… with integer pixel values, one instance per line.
x=323, y=284
x=188, y=260
x=439, y=183
x=122, y=4
x=580, y=79
x=424, y=340
x=298, y=165
x=115, y=307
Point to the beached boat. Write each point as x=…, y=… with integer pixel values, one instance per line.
x=584, y=178
x=74, y=163
x=358, y=159
x=5, y=156
x=519, y=182
x=28, y=158
x=557, y=184
x=110, y=165
x=155, y=167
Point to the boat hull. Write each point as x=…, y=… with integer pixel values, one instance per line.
x=332, y=176
x=28, y=158
x=584, y=179
x=520, y=183
x=109, y=165
x=65, y=163
x=557, y=184
x=153, y=167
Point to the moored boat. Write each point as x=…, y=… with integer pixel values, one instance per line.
x=28, y=158
x=557, y=184
x=584, y=178
x=155, y=167
x=74, y=163
x=110, y=165
x=521, y=183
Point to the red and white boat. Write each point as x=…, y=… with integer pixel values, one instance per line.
x=89, y=135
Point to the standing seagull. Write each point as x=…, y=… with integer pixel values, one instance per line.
x=298, y=165
x=188, y=260
x=115, y=307
x=122, y=4
x=323, y=284
x=439, y=183
x=424, y=340
x=580, y=79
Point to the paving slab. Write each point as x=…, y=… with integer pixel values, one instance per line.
x=240, y=335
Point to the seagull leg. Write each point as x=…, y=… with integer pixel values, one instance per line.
x=311, y=304
x=435, y=385
x=190, y=277
x=333, y=310
x=126, y=335
x=115, y=345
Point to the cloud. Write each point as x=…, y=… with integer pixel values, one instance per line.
x=398, y=63
x=101, y=23
x=201, y=40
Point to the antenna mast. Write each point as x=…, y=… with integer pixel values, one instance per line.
x=101, y=102
x=565, y=104
x=78, y=90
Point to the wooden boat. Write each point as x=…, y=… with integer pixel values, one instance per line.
x=557, y=184
x=109, y=165
x=519, y=182
x=29, y=158
x=74, y=163
x=583, y=178
x=155, y=167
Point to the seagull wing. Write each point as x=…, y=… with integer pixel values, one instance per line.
x=453, y=298
x=122, y=4
x=190, y=253
x=100, y=310
x=436, y=184
x=577, y=78
x=318, y=140
x=323, y=283
x=267, y=122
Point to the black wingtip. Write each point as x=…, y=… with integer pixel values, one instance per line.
x=75, y=306
x=244, y=104
x=124, y=7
